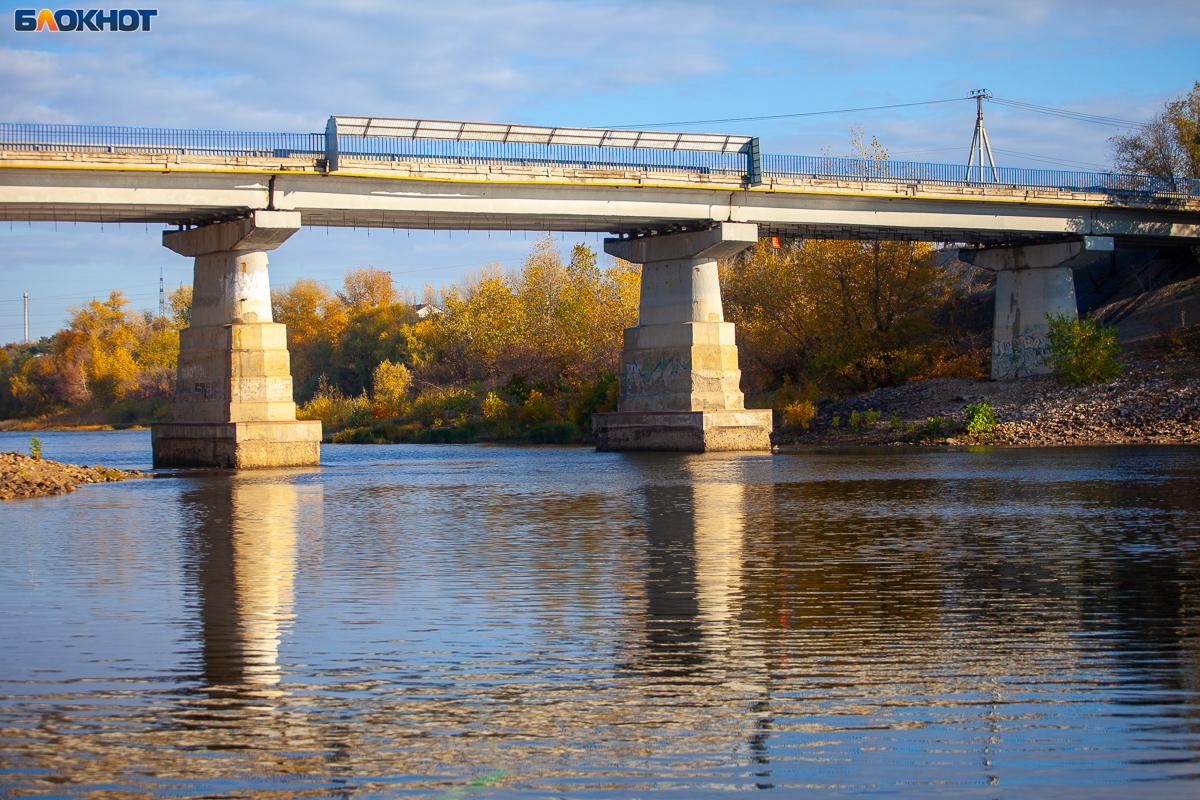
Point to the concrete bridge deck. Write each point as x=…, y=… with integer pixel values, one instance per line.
x=49, y=182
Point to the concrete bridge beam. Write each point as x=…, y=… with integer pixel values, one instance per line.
x=1032, y=283
x=679, y=367
x=233, y=397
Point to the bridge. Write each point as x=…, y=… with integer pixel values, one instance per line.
x=675, y=202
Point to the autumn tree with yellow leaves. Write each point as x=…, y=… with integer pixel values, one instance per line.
x=839, y=315
x=116, y=363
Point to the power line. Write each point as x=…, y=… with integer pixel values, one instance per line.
x=926, y=150
x=787, y=116
x=1052, y=160
x=1079, y=116
x=77, y=297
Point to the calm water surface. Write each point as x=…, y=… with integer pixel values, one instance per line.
x=471, y=621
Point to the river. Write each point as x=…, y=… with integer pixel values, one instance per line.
x=481, y=621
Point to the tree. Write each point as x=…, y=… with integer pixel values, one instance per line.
x=315, y=317
x=1169, y=145
x=389, y=390
x=376, y=335
x=180, y=302
x=848, y=315
x=365, y=289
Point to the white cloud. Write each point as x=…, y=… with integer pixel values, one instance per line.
x=228, y=64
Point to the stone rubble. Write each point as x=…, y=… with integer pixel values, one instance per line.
x=22, y=476
x=1154, y=401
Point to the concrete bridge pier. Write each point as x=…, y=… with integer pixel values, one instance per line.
x=679, y=367
x=1032, y=282
x=233, y=396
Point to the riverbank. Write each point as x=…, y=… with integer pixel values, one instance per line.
x=67, y=421
x=1156, y=400
x=22, y=476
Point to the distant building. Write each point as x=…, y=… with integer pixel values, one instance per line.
x=426, y=310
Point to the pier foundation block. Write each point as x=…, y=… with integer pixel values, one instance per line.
x=233, y=397
x=679, y=382
x=1032, y=282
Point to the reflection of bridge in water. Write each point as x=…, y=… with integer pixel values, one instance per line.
x=677, y=203
x=715, y=624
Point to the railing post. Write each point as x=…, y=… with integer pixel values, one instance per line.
x=331, y=146
x=753, y=163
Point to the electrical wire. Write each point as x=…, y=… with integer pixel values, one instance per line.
x=1079, y=116
x=787, y=116
x=1053, y=160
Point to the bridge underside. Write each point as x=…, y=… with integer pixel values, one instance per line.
x=474, y=222
x=474, y=200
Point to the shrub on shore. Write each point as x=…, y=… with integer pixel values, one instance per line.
x=1082, y=351
x=981, y=418
x=799, y=414
x=335, y=410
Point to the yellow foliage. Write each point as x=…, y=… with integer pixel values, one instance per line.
x=389, y=389
x=798, y=413
x=334, y=409
x=494, y=408
x=973, y=364
x=365, y=289
x=111, y=374
x=158, y=347
x=536, y=408
x=180, y=303
x=830, y=308
x=548, y=321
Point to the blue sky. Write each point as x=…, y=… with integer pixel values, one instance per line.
x=288, y=66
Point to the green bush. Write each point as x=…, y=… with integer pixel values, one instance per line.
x=935, y=428
x=536, y=408
x=435, y=406
x=334, y=409
x=981, y=418
x=555, y=433
x=1082, y=351
x=35, y=448
x=590, y=397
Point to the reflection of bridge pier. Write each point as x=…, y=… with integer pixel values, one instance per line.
x=694, y=551
x=244, y=549
x=695, y=654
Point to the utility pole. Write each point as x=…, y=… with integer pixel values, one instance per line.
x=25, y=298
x=162, y=295
x=980, y=146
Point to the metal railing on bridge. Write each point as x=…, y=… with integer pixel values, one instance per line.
x=378, y=148
x=918, y=172
x=55, y=138
x=489, y=142
x=575, y=148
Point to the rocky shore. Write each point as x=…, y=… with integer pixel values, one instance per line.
x=22, y=476
x=1154, y=401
